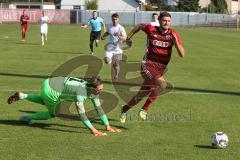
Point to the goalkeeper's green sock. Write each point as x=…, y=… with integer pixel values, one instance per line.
x=36, y=98
x=39, y=116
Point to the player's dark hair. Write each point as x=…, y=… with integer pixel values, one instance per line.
x=164, y=14
x=95, y=12
x=94, y=81
x=115, y=15
x=154, y=14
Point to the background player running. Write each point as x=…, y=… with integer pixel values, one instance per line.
x=24, y=25
x=160, y=42
x=44, y=20
x=56, y=89
x=113, y=50
x=96, y=23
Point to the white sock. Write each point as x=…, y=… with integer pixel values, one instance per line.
x=42, y=39
x=22, y=95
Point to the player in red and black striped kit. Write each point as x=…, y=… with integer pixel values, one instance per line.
x=24, y=25
x=158, y=54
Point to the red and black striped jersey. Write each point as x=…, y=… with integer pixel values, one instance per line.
x=159, y=45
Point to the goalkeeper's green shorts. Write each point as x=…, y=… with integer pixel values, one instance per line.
x=50, y=97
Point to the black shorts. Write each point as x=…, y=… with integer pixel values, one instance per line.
x=95, y=35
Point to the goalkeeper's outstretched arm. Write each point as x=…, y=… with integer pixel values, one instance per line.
x=81, y=111
x=102, y=115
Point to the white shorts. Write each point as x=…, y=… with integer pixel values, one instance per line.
x=113, y=56
x=44, y=29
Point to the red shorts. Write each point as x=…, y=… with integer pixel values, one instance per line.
x=152, y=70
x=24, y=27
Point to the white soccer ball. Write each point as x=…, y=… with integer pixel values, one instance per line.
x=219, y=140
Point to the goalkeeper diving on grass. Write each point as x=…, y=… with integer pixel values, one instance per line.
x=56, y=89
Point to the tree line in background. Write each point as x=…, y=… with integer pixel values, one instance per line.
x=216, y=6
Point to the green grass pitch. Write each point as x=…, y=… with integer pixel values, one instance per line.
x=205, y=99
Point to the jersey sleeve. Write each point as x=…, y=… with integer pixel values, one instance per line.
x=79, y=100
x=26, y=18
x=179, y=39
x=146, y=28
x=83, y=116
x=123, y=32
x=97, y=105
x=81, y=96
x=100, y=19
x=96, y=101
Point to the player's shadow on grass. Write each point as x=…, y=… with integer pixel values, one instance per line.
x=204, y=146
x=196, y=90
x=206, y=91
x=96, y=121
x=45, y=126
x=66, y=52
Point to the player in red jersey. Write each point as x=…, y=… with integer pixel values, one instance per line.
x=24, y=25
x=158, y=54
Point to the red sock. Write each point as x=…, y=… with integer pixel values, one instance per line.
x=24, y=29
x=143, y=92
x=23, y=35
x=152, y=97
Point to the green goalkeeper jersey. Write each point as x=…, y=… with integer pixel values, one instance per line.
x=71, y=88
x=74, y=89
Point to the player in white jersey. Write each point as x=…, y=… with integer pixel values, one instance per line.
x=44, y=20
x=114, y=49
x=155, y=21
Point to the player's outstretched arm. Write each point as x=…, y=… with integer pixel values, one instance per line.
x=104, y=27
x=178, y=45
x=84, y=25
x=134, y=31
x=81, y=111
x=103, y=37
x=180, y=50
x=102, y=115
x=121, y=37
